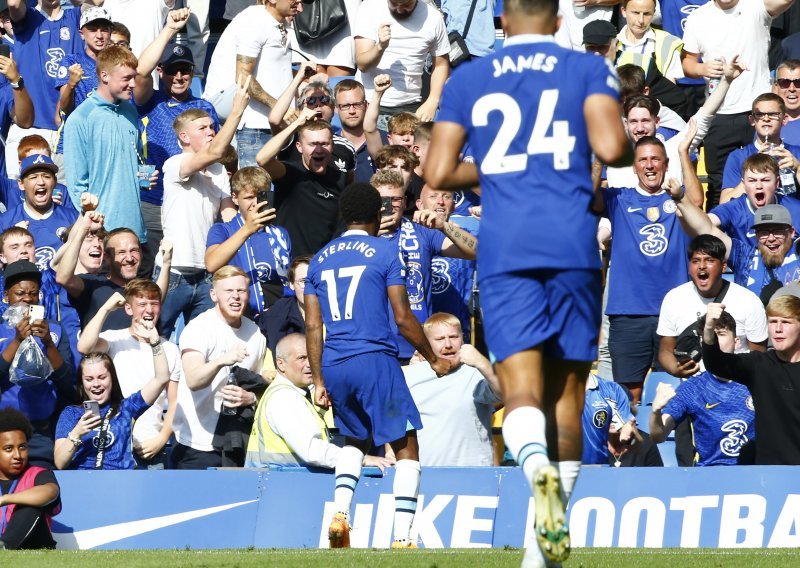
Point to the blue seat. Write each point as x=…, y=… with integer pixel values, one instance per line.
x=651, y=384
x=667, y=451
x=643, y=417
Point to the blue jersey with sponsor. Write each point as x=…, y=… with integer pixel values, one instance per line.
x=265, y=256
x=722, y=415
x=732, y=174
x=452, y=281
x=85, y=86
x=46, y=232
x=418, y=245
x=648, y=251
x=40, y=46
x=602, y=404
x=749, y=270
x=350, y=277
x=159, y=142
x=522, y=112
x=736, y=219
x=673, y=20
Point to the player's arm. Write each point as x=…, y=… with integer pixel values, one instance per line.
x=442, y=166
x=693, y=219
x=605, y=130
x=199, y=373
x=245, y=66
x=661, y=424
x=314, y=348
x=441, y=70
x=410, y=328
x=23, y=111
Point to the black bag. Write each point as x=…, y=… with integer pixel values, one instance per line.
x=319, y=19
x=688, y=345
x=459, y=53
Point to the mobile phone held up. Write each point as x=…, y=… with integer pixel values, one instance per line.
x=35, y=312
x=92, y=406
x=5, y=50
x=386, y=209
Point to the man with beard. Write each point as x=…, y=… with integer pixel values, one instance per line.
x=306, y=193
x=761, y=268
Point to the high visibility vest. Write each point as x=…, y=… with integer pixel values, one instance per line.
x=667, y=48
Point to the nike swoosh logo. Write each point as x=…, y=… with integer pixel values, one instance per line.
x=710, y=406
x=634, y=209
x=92, y=538
x=171, y=104
x=750, y=235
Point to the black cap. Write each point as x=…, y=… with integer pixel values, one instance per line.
x=174, y=55
x=598, y=32
x=20, y=270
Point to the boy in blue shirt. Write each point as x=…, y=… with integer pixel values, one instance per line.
x=351, y=285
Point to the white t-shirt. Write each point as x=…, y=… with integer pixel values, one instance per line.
x=252, y=33
x=198, y=411
x=412, y=40
x=570, y=34
x=133, y=361
x=682, y=306
x=456, y=412
x=145, y=19
x=191, y=205
x=742, y=30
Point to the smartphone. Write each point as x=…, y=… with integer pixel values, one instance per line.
x=92, y=406
x=387, y=209
x=5, y=50
x=35, y=312
x=265, y=196
x=682, y=356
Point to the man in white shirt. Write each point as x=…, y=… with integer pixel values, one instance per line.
x=395, y=37
x=130, y=350
x=211, y=345
x=288, y=430
x=196, y=189
x=456, y=409
x=255, y=43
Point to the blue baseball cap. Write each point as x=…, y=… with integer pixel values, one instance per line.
x=35, y=162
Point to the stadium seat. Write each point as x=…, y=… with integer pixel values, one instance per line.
x=667, y=451
x=643, y=417
x=651, y=384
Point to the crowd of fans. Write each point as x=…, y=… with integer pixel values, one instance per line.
x=164, y=214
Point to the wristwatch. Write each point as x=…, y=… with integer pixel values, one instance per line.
x=20, y=84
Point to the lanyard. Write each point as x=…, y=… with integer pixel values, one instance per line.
x=102, y=440
x=275, y=249
x=3, y=522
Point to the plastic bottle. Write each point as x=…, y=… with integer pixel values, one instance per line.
x=230, y=410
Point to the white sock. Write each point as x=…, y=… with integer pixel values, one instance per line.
x=406, y=489
x=348, y=470
x=568, y=471
x=523, y=432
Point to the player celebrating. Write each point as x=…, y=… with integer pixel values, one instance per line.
x=532, y=113
x=351, y=283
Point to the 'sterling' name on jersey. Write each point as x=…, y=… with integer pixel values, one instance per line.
x=538, y=62
x=361, y=247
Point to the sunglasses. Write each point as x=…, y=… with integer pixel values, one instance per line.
x=188, y=70
x=312, y=101
x=784, y=83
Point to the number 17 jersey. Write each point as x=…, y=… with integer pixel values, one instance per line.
x=522, y=112
x=349, y=277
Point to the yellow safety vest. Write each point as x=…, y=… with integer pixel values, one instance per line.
x=667, y=48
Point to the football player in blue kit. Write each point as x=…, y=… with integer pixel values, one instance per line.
x=532, y=114
x=351, y=284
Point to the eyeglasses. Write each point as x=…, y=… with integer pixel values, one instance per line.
x=347, y=106
x=784, y=83
x=124, y=44
x=301, y=281
x=313, y=100
x=770, y=115
x=776, y=232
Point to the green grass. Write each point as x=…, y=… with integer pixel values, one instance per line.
x=284, y=558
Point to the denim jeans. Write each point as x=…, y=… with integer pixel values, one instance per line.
x=187, y=295
x=249, y=141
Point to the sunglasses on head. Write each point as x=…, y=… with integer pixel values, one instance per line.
x=784, y=83
x=312, y=101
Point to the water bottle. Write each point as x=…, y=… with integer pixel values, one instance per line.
x=788, y=186
x=229, y=410
x=712, y=83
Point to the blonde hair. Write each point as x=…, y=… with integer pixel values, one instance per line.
x=441, y=318
x=229, y=271
x=387, y=177
x=186, y=117
x=250, y=178
x=784, y=307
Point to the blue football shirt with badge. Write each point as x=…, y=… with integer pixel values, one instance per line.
x=350, y=277
x=47, y=231
x=605, y=402
x=85, y=86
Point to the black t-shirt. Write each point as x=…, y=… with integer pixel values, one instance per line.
x=308, y=206
x=42, y=478
x=97, y=290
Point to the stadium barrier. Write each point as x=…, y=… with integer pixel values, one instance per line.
x=458, y=508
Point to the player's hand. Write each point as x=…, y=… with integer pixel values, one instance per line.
x=165, y=250
x=8, y=67
x=242, y=96
x=89, y=201
x=115, y=302
x=321, y=397
x=236, y=396
x=382, y=83
x=255, y=219
x=379, y=462
x=442, y=366
x=384, y=35
x=674, y=188
x=75, y=74
x=713, y=313
x=58, y=197
x=733, y=69
x=687, y=368
x=429, y=218
x=306, y=70
x=691, y=132
x=93, y=221
x=234, y=355
x=149, y=448
x=427, y=111
x=712, y=69
x=664, y=393
x=177, y=19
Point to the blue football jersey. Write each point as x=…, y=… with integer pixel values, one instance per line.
x=722, y=414
x=648, y=251
x=452, y=281
x=350, y=277
x=749, y=271
x=732, y=174
x=522, y=112
x=603, y=403
x=46, y=232
x=736, y=219
x=86, y=85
